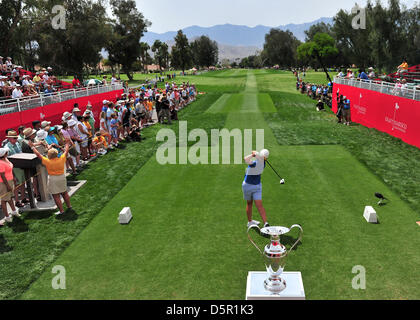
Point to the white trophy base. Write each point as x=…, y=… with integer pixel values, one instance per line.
x=294, y=287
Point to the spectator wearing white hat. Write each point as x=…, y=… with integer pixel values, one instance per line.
x=82, y=131
x=66, y=116
x=40, y=143
x=73, y=150
x=76, y=112
x=7, y=184
x=45, y=124
x=89, y=113
x=9, y=64
x=17, y=92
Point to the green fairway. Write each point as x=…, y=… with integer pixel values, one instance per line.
x=189, y=220
x=187, y=239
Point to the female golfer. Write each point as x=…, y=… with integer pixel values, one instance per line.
x=252, y=187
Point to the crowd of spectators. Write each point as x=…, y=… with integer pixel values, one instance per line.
x=321, y=93
x=79, y=138
x=16, y=83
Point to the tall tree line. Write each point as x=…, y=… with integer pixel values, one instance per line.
x=392, y=35
x=30, y=37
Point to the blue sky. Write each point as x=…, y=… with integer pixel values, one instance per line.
x=172, y=15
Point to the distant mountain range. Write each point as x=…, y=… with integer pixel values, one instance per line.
x=234, y=35
x=235, y=42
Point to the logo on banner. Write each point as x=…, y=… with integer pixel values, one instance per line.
x=360, y=109
x=397, y=125
x=41, y=115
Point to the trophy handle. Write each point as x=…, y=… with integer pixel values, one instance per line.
x=300, y=235
x=250, y=239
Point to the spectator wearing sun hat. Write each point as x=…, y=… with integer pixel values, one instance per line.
x=7, y=185
x=40, y=143
x=66, y=116
x=45, y=124
x=29, y=135
x=76, y=112
x=65, y=131
x=91, y=120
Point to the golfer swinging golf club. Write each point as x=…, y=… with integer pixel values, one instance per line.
x=252, y=187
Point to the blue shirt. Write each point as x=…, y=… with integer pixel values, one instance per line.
x=347, y=104
x=50, y=140
x=364, y=76
x=253, y=172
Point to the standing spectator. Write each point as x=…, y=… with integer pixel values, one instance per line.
x=103, y=127
x=340, y=108
x=346, y=109
x=7, y=184
x=88, y=113
x=14, y=148
x=165, y=110
x=36, y=125
x=83, y=133
x=114, y=80
x=109, y=112
x=76, y=112
x=57, y=182
x=114, y=129
x=73, y=152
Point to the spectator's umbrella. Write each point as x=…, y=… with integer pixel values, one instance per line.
x=92, y=82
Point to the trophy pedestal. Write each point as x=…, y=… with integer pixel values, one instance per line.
x=294, y=287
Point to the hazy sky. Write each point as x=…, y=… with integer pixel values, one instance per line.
x=172, y=15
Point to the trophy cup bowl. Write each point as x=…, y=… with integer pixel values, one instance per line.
x=274, y=255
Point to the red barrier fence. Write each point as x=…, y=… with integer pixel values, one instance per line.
x=397, y=116
x=54, y=112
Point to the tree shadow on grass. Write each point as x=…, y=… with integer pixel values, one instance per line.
x=38, y=215
x=4, y=247
x=18, y=225
x=68, y=215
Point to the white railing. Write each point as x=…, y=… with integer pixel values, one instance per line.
x=409, y=91
x=30, y=102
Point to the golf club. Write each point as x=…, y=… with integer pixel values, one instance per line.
x=282, y=181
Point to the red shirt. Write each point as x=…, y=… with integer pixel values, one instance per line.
x=76, y=82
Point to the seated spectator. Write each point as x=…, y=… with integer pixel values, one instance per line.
x=403, y=67
x=363, y=75
x=17, y=92
x=134, y=134
x=100, y=143
x=372, y=74
x=320, y=106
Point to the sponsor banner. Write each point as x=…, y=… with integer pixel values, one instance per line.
x=397, y=116
x=54, y=112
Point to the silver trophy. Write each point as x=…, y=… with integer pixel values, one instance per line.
x=275, y=255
